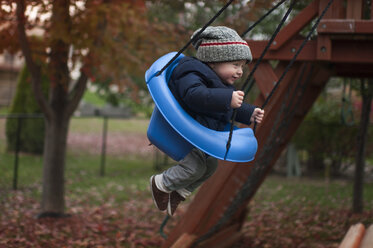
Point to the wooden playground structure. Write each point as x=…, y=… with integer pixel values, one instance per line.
x=343, y=47
x=358, y=236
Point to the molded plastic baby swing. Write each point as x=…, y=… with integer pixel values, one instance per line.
x=175, y=132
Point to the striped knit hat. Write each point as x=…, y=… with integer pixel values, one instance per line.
x=219, y=44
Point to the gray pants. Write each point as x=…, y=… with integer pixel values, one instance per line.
x=190, y=172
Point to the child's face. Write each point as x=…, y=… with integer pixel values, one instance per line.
x=229, y=72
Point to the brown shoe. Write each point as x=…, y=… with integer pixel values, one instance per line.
x=160, y=198
x=174, y=201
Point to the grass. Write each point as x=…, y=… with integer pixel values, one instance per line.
x=313, y=192
x=122, y=179
x=95, y=125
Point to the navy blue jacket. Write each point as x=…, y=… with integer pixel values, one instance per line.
x=204, y=96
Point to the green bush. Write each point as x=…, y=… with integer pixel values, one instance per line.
x=325, y=139
x=31, y=136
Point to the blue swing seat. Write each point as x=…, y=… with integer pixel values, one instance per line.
x=175, y=132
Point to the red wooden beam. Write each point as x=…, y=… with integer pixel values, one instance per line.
x=342, y=51
x=353, y=70
x=297, y=24
x=286, y=52
x=354, y=9
x=352, y=51
x=349, y=26
x=265, y=77
x=324, y=47
x=335, y=10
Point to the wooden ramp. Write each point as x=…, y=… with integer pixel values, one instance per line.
x=217, y=213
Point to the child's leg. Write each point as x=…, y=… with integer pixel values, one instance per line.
x=180, y=180
x=186, y=172
x=211, y=166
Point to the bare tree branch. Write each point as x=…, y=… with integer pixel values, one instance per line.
x=77, y=93
x=34, y=69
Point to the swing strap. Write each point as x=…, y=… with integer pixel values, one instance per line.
x=234, y=114
x=164, y=222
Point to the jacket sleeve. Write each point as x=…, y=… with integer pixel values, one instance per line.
x=244, y=113
x=200, y=98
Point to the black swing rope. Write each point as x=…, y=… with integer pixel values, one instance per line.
x=196, y=36
x=234, y=114
x=262, y=18
x=240, y=197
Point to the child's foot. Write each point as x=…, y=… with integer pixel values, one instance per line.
x=160, y=198
x=175, y=199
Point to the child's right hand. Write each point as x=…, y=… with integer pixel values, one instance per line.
x=237, y=98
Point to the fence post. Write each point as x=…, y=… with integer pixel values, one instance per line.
x=103, y=147
x=16, y=157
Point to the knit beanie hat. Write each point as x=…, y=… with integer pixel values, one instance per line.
x=220, y=44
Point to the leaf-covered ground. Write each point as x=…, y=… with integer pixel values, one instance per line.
x=135, y=223
x=117, y=211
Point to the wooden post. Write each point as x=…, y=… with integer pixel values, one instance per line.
x=367, y=241
x=354, y=9
x=353, y=236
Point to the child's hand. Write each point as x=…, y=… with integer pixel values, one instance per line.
x=237, y=99
x=257, y=115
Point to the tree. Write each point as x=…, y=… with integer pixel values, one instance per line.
x=366, y=89
x=94, y=39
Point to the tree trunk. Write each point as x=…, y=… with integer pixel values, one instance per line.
x=367, y=93
x=53, y=203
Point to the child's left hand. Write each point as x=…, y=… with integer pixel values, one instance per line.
x=257, y=116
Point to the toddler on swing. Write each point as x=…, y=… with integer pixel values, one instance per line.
x=204, y=88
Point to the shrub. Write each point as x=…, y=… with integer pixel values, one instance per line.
x=32, y=129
